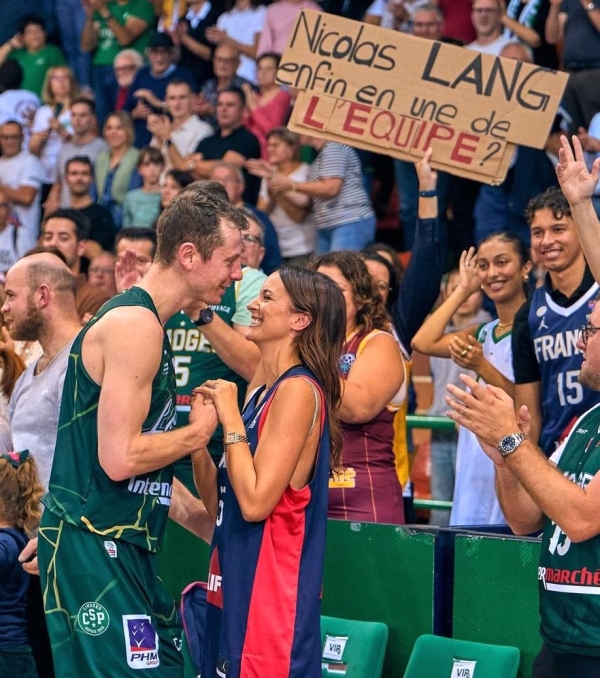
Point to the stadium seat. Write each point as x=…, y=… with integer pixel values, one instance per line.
x=356, y=648
x=438, y=657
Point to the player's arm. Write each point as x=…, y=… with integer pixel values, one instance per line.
x=259, y=481
x=126, y=380
x=191, y=512
x=231, y=345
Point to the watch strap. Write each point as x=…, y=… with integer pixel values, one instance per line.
x=232, y=438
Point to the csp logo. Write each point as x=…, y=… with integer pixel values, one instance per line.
x=93, y=619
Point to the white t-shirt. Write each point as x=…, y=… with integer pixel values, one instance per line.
x=494, y=48
x=295, y=239
x=34, y=408
x=14, y=243
x=19, y=105
x=242, y=26
x=25, y=169
x=51, y=149
x=185, y=138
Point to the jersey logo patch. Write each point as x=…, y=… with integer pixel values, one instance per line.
x=214, y=594
x=93, y=619
x=111, y=548
x=141, y=642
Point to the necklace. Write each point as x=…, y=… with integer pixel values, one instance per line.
x=503, y=326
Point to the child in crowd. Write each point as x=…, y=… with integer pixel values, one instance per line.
x=141, y=207
x=20, y=494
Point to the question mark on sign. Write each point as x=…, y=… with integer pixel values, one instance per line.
x=493, y=148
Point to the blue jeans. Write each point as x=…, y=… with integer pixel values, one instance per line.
x=442, y=452
x=105, y=87
x=355, y=235
x=70, y=18
x=407, y=184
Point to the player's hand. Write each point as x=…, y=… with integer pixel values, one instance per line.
x=224, y=395
x=28, y=557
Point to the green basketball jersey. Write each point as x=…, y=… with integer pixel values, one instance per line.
x=80, y=492
x=195, y=359
x=569, y=574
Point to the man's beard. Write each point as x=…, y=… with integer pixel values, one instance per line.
x=30, y=328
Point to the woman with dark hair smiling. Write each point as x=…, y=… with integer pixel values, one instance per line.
x=269, y=494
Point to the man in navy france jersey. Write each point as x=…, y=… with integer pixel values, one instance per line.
x=546, y=359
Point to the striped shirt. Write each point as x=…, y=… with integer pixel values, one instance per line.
x=352, y=203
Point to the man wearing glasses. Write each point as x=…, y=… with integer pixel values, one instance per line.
x=486, y=16
x=562, y=496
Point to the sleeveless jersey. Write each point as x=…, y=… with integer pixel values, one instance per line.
x=367, y=488
x=265, y=578
x=554, y=331
x=569, y=578
x=475, y=501
x=80, y=492
x=195, y=359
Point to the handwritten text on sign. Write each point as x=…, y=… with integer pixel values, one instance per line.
x=406, y=78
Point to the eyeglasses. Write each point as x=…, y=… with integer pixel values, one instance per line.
x=251, y=239
x=225, y=60
x=484, y=10
x=585, y=332
x=119, y=69
x=59, y=77
x=425, y=24
x=104, y=270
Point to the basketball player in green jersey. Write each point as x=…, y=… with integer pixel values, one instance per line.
x=111, y=484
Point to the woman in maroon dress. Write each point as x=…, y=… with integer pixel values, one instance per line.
x=371, y=369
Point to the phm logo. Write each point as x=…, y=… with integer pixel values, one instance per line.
x=141, y=642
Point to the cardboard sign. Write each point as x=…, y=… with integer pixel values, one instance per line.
x=392, y=93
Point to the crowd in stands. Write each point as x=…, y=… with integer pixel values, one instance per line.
x=109, y=109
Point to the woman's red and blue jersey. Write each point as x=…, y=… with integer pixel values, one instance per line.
x=265, y=578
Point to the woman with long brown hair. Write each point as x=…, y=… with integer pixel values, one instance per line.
x=269, y=495
x=52, y=122
x=372, y=371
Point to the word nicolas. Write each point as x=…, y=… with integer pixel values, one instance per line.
x=344, y=47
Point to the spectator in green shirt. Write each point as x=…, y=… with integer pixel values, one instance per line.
x=29, y=49
x=110, y=26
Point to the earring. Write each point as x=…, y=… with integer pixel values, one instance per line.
x=526, y=278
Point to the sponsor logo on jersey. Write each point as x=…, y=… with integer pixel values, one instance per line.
x=111, y=548
x=214, y=590
x=153, y=488
x=583, y=431
x=93, y=619
x=141, y=642
x=570, y=581
x=556, y=346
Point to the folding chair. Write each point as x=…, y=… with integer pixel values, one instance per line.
x=438, y=657
x=356, y=648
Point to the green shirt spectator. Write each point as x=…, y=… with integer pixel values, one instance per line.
x=29, y=49
x=121, y=13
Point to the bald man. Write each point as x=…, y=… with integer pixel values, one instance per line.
x=40, y=306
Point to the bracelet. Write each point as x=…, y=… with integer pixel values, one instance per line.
x=428, y=194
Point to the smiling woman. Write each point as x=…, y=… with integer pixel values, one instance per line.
x=501, y=269
x=269, y=494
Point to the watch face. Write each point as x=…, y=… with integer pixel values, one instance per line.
x=205, y=317
x=508, y=444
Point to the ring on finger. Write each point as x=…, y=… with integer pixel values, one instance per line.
x=464, y=352
x=469, y=347
x=464, y=410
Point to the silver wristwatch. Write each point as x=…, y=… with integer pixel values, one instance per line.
x=509, y=443
x=590, y=6
x=233, y=438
